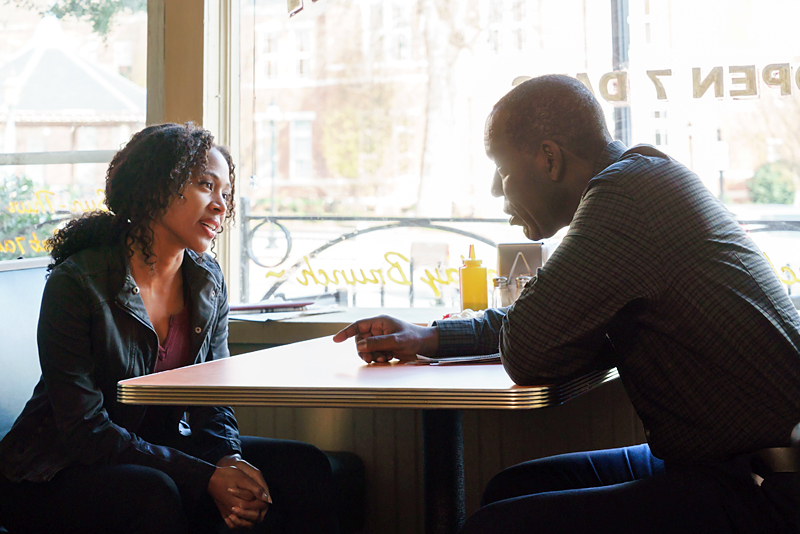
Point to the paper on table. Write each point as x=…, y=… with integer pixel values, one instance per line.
x=280, y=316
x=474, y=358
x=268, y=306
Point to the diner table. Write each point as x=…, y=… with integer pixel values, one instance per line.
x=321, y=373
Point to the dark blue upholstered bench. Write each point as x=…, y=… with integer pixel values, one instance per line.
x=21, y=286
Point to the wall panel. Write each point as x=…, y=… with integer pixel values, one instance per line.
x=389, y=442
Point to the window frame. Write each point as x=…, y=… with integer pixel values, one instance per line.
x=194, y=76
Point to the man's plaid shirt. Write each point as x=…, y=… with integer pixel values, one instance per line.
x=656, y=277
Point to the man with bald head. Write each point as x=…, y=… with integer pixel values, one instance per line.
x=655, y=277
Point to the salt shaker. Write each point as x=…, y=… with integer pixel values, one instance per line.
x=501, y=296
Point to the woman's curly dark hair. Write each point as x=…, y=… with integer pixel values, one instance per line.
x=142, y=180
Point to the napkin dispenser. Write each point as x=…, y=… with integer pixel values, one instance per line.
x=530, y=259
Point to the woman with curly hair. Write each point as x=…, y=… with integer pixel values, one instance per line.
x=132, y=291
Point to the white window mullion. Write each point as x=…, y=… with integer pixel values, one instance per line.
x=221, y=112
x=56, y=158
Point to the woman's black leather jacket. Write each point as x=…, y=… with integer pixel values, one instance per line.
x=93, y=332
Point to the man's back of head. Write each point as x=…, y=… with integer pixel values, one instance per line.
x=558, y=108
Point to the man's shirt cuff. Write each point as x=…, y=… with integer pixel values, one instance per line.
x=457, y=337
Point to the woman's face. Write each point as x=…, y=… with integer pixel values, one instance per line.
x=194, y=218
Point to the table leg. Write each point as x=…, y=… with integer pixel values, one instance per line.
x=443, y=471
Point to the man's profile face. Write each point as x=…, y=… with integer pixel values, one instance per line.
x=520, y=179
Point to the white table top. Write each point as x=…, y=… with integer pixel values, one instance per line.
x=322, y=373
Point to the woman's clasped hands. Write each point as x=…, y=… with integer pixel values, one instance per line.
x=240, y=492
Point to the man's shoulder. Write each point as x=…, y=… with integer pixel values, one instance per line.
x=644, y=150
x=643, y=184
x=641, y=168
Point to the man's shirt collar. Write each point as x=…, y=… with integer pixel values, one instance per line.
x=610, y=154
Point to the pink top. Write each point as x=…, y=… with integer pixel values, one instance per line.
x=176, y=351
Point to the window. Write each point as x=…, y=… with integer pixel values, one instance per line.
x=660, y=123
x=387, y=127
x=267, y=150
x=401, y=31
x=508, y=25
x=302, y=53
x=69, y=98
x=270, y=43
x=403, y=147
x=377, y=29
x=123, y=58
x=268, y=56
x=390, y=30
x=495, y=23
x=300, y=149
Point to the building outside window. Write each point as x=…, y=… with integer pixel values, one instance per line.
x=380, y=122
x=69, y=97
x=399, y=106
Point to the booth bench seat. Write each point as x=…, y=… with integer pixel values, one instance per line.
x=21, y=286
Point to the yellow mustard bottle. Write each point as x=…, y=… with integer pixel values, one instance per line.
x=472, y=283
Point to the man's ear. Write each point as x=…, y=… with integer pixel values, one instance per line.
x=553, y=158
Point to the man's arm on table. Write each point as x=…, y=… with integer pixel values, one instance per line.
x=383, y=338
x=595, y=284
